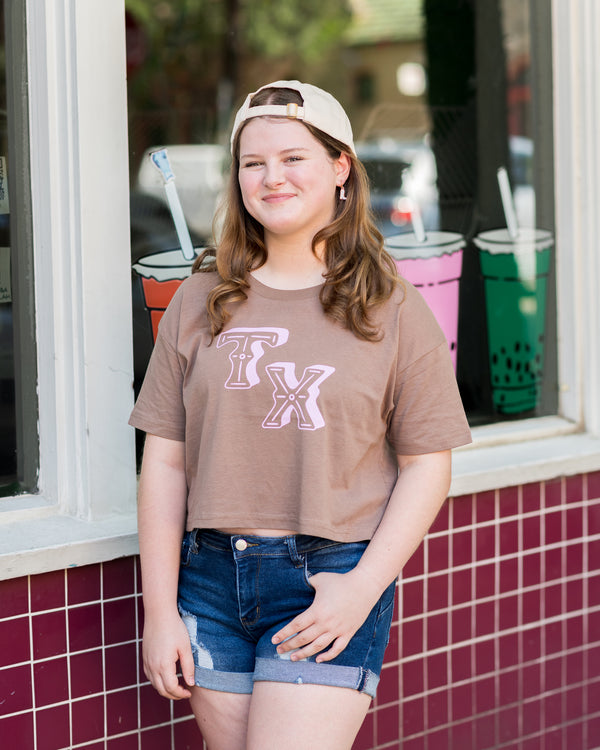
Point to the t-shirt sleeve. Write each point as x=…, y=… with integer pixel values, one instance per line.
x=427, y=414
x=159, y=409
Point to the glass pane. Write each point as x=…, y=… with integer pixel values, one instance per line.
x=18, y=402
x=442, y=95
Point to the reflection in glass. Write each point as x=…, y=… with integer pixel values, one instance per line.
x=441, y=94
x=18, y=402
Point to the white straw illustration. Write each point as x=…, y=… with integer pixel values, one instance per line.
x=508, y=204
x=161, y=162
x=417, y=222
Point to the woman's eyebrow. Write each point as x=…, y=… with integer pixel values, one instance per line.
x=295, y=149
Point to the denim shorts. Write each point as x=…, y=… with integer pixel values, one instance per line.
x=236, y=592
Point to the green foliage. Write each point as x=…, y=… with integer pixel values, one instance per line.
x=195, y=30
x=199, y=54
x=304, y=29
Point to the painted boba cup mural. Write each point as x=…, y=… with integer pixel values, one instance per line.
x=163, y=272
x=515, y=263
x=432, y=262
x=515, y=272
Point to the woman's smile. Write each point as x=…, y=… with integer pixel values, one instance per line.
x=287, y=178
x=278, y=197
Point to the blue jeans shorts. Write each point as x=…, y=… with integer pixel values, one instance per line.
x=236, y=592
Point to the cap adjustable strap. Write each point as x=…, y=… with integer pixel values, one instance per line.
x=291, y=110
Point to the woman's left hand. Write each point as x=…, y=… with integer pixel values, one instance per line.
x=341, y=605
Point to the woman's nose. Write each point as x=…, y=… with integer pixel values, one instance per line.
x=274, y=175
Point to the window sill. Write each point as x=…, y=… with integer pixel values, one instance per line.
x=36, y=539
x=515, y=453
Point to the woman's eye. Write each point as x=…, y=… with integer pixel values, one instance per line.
x=294, y=158
x=251, y=164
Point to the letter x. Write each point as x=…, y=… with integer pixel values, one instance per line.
x=300, y=397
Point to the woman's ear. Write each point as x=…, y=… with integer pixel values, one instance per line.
x=342, y=167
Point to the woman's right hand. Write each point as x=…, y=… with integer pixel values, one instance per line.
x=165, y=642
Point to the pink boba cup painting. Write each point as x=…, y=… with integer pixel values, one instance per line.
x=433, y=264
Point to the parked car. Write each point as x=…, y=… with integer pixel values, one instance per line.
x=403, y=179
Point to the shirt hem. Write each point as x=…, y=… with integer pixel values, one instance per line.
x=325, y=532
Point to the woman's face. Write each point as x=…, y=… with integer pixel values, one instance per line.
x=288, y=179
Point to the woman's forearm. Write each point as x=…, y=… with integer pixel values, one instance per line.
x=162, y=500
x=422, y=486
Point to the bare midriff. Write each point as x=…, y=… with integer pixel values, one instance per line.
x=258, y=532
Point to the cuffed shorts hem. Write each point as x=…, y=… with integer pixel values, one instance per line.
x=224, y=682
x=298, y=673
x=308, y=672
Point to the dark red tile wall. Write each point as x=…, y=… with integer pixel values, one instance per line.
x=495, y=643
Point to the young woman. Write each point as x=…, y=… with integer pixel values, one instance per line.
x=300, y=407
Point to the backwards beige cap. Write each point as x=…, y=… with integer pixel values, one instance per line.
x=318, y=109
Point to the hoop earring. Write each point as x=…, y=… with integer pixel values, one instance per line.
x=342, y=193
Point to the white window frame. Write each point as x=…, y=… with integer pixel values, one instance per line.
x=540, y=449
x=85, y=509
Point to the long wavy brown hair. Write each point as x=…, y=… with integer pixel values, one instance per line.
x=360, y=274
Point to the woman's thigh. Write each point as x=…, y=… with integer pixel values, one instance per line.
x=296, y=717
x=221, y=717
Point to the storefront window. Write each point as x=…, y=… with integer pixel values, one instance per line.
x=451, y=107
x=18, y=405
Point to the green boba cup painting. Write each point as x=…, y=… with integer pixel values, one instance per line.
x=515, y=263
x=515, y=272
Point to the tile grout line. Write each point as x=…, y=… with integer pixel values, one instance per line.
x=564, y=605
x=530, y=589
x=137, y=591
x=530, y=514
x=32, y=664
x=585, y=604
x=68, y=655
x=509, y=744
x=518, y=556
x=473, y=610
x=103, y=641
x=520, y=617
x=497, y=561
x=424, y=642
x=543, y=640
x=497, y=586
x=533, y=626
x=449, y=628
x=547, y=694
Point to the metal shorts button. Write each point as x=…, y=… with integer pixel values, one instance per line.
x=241, y=545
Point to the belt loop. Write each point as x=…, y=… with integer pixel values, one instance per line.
x=296, y=557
